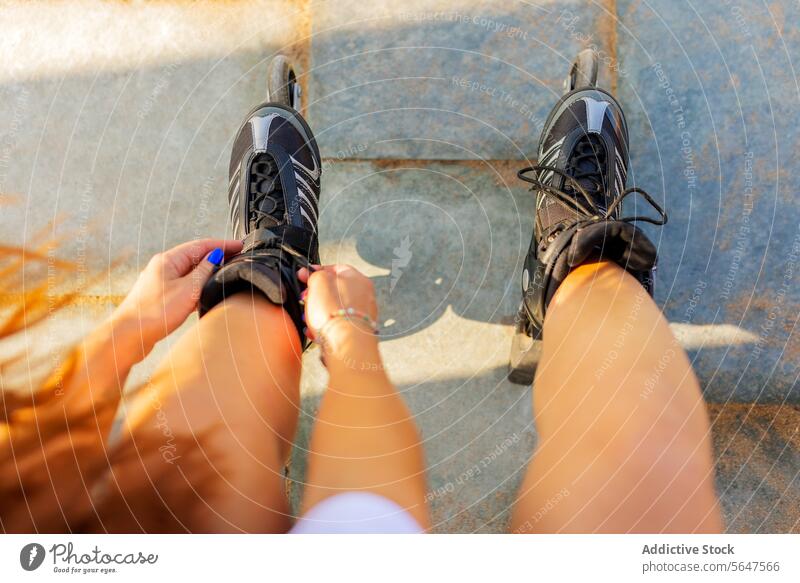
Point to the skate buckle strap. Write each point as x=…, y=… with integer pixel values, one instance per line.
x=259, y=236
x=591, y=211
x=286, y=238
x=595, y=232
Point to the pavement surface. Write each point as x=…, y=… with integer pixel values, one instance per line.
x=115, y=133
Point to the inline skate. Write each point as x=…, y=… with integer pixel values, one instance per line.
x=580, y=183
x=273, y=196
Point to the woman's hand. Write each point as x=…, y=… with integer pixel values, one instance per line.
x=168, y=289
x=335, y=287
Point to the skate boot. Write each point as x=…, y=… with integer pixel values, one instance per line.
x=579, y=182
x=273, y=193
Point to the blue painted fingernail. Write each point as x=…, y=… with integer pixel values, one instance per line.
x=216, y=257
x=303, y=317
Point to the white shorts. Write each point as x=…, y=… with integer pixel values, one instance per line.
x=357, y=513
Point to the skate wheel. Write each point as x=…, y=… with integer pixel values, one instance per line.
x=583, y=72
x=282, y=85
x=525, y=355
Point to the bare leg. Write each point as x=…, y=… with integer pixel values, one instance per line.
x=365, y=438
x=624, y=436
x=215, y=426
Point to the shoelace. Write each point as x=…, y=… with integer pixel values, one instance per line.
x=586, y=164
x=592, y=213
x=266, y=184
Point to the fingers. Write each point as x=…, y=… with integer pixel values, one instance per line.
x=330, y=273
x=302, y=274
x=341, y=269
x=181, y=259
x=316, y=279
x=202, y=247
x=200, y=275
x=336, y=268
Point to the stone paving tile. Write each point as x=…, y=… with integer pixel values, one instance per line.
x=757, y=452
x=712, y=104
x=117, y=120
x=443, y=79
x=434, y=235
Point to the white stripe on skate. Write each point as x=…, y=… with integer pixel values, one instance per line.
x=595, y=114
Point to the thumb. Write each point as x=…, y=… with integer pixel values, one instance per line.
x=198, y=277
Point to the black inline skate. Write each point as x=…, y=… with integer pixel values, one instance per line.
x=273, y=193
x=579, y=181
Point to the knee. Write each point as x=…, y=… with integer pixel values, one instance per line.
x=250, y=318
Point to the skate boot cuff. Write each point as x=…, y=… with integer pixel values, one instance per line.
x=616, y=241
x=270, y=272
